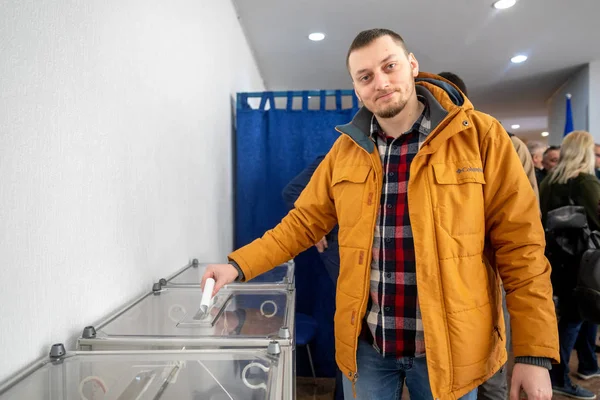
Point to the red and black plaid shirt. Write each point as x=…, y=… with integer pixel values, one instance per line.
x=393, y=317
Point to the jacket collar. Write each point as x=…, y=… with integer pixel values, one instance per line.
x=442, y=97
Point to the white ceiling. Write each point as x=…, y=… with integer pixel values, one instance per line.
x=467, y=37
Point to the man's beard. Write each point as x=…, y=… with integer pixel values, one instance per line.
x=391, y=110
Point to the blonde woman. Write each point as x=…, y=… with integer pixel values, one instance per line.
x=574, y=177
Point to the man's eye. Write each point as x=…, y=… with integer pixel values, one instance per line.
x=364, y=78
x=391, y=66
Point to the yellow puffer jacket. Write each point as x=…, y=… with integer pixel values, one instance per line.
x=475, y=219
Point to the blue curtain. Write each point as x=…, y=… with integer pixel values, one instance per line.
x=271, y=147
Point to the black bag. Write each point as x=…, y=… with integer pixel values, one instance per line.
x=566, y=230
x=587, y=291
x=574, y=253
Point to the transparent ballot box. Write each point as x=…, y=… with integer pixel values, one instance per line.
x=240, y=374
x=191, y=276
x=170, y=318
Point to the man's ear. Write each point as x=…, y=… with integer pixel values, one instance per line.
x=414, y=64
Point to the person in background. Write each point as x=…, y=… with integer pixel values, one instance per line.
x=597, y=168
x=456, y=80
x=327, y=247
x=536, y=149
x=597, y=154
x=526, y=161
x=550, y=158
x=434, y=209
x=573, y=177
x=496, y=388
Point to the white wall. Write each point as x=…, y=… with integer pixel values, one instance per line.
x=578, y=86
x=594, y=117
x=115, y=155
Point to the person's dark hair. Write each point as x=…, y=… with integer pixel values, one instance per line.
x=365, y=38
x=550, y=148
x=452, y=77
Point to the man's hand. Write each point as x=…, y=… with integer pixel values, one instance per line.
x=534, y=380
x=321, y=245
x=221, y=273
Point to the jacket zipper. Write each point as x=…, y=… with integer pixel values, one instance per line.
x=497, y=330
x=354, y=374
x=429, y=138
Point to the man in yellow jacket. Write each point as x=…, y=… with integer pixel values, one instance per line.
x=433, y=209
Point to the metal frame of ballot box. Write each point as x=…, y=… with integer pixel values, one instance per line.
x=93, y=337
x=249, y=374
x=280, y=277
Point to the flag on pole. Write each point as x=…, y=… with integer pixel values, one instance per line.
x=569, y=117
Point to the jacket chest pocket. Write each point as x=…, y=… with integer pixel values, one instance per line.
x=458, y=197
x=349, y=193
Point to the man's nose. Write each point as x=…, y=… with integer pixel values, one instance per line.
x=382, y=81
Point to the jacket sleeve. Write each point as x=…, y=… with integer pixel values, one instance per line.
x=516, y=237
x=312, y=217
x=293, y=189
x=526, y=162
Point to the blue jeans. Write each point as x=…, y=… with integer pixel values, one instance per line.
x=581, y=336
x=383, y=378
x=586, y=348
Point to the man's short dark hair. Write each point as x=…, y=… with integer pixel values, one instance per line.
x=365, y=38
x=452, y=77
x=551, y=148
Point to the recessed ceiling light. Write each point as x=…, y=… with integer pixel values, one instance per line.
x=504, y=4
x=519, y=59
x=544, y=134
x=316, y=37
x=515, y=126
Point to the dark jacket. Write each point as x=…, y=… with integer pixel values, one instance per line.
x=540, y=174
